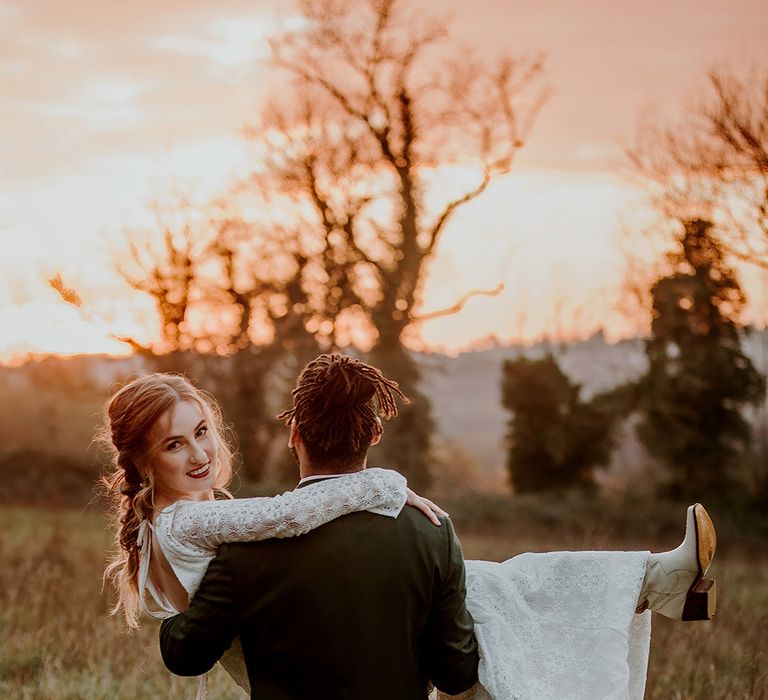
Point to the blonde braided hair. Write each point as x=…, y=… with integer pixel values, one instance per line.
x=129, y=415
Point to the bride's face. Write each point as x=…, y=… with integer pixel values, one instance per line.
x=183, y=454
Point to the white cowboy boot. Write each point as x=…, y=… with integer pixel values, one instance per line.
x=674, y=583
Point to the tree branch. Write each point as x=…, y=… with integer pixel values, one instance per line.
x=434, y=232
x=460, y=304
x=67, y=294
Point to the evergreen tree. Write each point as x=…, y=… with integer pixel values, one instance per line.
x=556, y=439
x=698, y=377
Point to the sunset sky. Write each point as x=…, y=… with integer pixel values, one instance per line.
x=109, y=105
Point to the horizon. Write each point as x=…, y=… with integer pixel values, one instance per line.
x=481, y=345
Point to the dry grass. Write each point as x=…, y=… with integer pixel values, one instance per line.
x=56, y=640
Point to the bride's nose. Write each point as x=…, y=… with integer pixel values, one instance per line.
x=198, y=455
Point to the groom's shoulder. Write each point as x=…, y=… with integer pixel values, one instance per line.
x=416, y=519
x=422, y=529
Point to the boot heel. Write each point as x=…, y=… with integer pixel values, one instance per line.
x=701, y=600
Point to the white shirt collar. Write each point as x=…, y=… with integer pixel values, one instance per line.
x=316, y=477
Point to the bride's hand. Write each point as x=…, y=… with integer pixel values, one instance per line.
x=425, y=506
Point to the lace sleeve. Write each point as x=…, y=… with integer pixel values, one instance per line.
x=207, y=524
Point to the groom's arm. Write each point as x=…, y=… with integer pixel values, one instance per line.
x=193, y=641
x=451, y=647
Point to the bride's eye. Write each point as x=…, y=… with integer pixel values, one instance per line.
x=172, y=445
x=202, y=431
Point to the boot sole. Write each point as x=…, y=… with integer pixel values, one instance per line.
x=701, y=599
x=706, y=537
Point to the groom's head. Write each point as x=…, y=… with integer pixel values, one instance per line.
x=335, y=416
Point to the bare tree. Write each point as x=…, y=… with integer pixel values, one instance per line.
x=380, y=101
x=225, y=293
x=713, y=161
x=375, y=110
x=164, y=263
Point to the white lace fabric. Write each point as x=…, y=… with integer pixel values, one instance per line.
x=560, y=626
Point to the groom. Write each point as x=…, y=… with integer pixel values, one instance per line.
x=364, y=607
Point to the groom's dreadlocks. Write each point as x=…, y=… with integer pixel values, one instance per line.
x=336, y=404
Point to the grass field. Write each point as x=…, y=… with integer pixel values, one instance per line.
x=56, y=640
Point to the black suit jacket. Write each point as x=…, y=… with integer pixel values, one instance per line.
x=363, y=607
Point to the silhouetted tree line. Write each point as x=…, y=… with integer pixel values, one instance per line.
x=326, y=244
x=690, y=402
x=376, y=99
x=708, y=172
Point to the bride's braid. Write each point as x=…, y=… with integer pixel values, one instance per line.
x=336, y=404
x=129, y=415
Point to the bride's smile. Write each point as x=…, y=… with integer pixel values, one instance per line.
x=200, y=472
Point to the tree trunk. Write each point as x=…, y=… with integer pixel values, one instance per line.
x=407, y=441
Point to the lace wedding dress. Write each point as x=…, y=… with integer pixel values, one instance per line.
x=558, y=625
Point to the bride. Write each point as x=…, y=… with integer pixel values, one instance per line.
x=555, y=625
